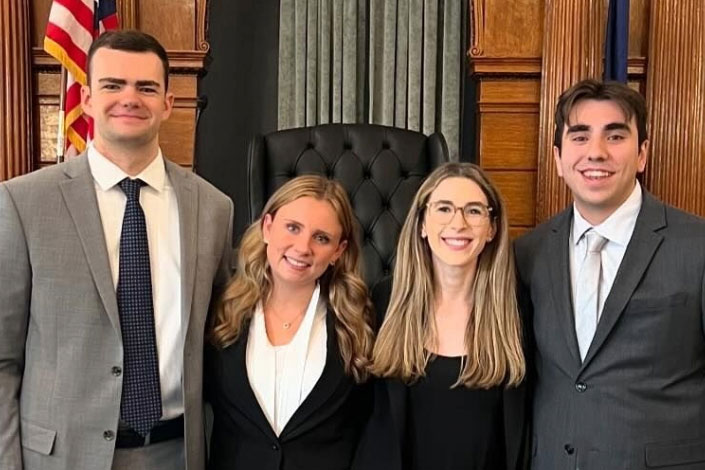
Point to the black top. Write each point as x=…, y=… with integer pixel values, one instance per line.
x=455, y=428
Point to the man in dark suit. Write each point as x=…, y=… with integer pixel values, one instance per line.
x=108, y=264
x=614, y=291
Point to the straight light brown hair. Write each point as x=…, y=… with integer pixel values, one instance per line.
x=493, y=334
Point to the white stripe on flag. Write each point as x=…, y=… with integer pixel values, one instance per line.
x=64, y=19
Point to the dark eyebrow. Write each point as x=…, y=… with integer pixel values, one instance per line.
x=116, y=81
x=120, y=81
x=617, y=126
x=577, y=128
x=151, y=83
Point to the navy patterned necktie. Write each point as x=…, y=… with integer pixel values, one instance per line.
x=141, y=404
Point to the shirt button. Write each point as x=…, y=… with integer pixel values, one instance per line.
x=108, y=435
x=569, y=449
x=275, y=447
x=116, y=371
x=581, y=387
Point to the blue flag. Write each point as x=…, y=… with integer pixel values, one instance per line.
x=617, y=41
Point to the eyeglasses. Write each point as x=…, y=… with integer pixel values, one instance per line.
x=474, y=213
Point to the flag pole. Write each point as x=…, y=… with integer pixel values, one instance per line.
x=61, y=134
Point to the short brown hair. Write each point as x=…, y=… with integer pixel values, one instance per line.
x=630, y=101
x=129, y=40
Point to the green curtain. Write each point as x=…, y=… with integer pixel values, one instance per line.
x=390, y=62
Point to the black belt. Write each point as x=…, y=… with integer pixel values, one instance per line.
x=162, y=431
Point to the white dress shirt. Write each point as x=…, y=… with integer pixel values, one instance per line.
x=161, y=212
x=617, y=229
x=283, y=376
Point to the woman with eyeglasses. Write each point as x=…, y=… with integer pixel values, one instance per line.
x=449, y=351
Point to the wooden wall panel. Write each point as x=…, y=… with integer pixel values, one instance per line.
x=676, y=99
x=508, y=140
x=517, y=188
x=15, y=83
x=492, y=20
x=172, y=21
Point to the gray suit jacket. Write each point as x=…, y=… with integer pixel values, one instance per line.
x=638, y=399
x=59, y=325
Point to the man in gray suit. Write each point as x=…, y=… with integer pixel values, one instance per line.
x=108, y=264
x=614, y=289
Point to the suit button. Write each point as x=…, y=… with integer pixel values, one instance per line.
x=569, y=449
x=116, y=371
x=275, y=447
x=581, y=387
x=108, y=435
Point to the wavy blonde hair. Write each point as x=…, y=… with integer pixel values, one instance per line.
x=341, y=284
x=493, y=334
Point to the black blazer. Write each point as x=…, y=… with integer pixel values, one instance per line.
x=383, y=442
x=322, y=434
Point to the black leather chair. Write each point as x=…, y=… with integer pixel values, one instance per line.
x=380, y=167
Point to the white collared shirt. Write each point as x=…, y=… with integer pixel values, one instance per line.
x=281, y=377
x=617, y=229
x=161, y=211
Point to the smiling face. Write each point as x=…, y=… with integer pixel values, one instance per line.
x=600, y=157
x=126, y=98
x=303, y=238
x=456, y=243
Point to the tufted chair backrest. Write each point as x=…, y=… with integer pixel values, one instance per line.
x=380, y=167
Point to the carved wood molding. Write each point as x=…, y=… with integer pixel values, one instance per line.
x=180, y=62
x=477, y=27
x=675, y=92
x=202, y=43
x=128, y=14
x=572, y=51
x=504, y=66
x=16, y=97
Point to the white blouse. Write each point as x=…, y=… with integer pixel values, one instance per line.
x=282, y=377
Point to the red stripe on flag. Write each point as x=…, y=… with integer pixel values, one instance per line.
x=73, y=96
x=63, y=39
x=81, y=127
x=110, y=22
x=80, y=11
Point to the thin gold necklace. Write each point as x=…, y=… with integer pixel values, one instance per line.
x=287, y=324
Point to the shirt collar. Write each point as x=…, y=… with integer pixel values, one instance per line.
x=107, y=174
x=618, y=227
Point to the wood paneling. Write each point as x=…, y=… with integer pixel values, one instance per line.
x=508, y=140
x=517, y=188
x=506, y=28
x=15, y=83
x=676, y=99
x=172, y=21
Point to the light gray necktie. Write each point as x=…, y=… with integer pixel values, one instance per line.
x=587, y=302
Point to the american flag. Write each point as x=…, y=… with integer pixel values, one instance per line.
x=73, y=24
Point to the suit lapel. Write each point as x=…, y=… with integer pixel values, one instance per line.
x=559, y=266
x=79, y=195
x=640, y=251
x=187, y=199
x=243, y=396
x=333, y=374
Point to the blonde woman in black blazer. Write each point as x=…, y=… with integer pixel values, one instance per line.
x=292, y=338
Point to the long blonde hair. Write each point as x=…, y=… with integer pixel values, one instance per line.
x=341, y=284
x=493, y=334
